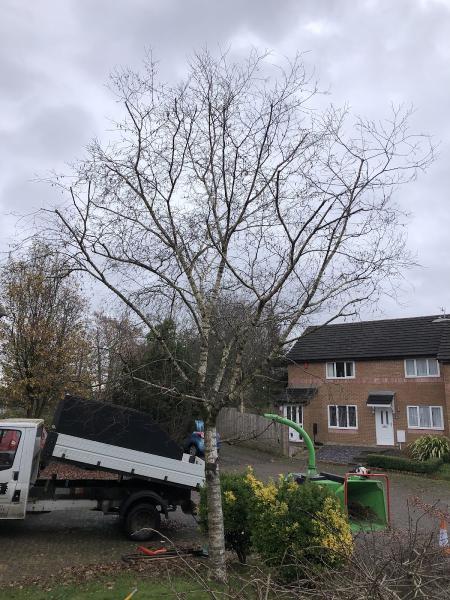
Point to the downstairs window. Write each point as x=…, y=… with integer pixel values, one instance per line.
x=343, y=416
x=425, y=417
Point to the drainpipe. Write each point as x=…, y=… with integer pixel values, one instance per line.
x=312, y=471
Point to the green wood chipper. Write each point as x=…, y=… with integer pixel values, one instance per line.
x=365, y=497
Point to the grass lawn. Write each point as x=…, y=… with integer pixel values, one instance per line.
x=111, y=588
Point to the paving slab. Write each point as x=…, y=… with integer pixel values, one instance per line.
x=343, y=455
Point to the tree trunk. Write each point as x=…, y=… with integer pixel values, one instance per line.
x=242, y=403
x=216, y=537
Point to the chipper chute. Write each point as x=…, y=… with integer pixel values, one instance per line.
x=365, y=497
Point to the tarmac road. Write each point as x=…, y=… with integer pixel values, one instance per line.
x=43, y=544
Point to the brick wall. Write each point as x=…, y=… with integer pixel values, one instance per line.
x=370, y=376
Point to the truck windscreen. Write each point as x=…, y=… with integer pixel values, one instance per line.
x=9, y=442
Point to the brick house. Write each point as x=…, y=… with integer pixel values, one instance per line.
x=373, y=383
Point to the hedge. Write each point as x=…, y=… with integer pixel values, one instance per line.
x=398, y=463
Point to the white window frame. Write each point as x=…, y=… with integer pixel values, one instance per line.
x=334, y=369
x=291, y=406
x=430, y=407
x=415, y=376
x=337, y=426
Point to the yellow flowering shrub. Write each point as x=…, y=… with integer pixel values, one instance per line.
x=287, y=524
x=296, y=525
x=229, y=497
x=266, y=494
x=332, y=528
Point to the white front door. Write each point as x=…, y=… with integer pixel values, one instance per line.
x=384, y=426
x=294, y=412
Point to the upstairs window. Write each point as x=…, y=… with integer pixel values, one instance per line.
x=421, y=367
x=341, y=370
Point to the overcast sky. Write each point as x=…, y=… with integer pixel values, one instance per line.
x=55, y=57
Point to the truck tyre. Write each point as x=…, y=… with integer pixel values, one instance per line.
x=141, y=521
x=193, y=450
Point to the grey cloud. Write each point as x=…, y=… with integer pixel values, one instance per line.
x=23, y=195
x=55, y=132
x=173, y=29
x=55, y=58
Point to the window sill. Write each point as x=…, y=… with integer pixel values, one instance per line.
x=422, y=376
x=426, y=428
x=331, y=428
x=340, y=378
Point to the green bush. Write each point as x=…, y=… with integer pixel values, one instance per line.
x=287, y=524
x=398, y=463
x=296, y=528
x=429, y=446
x=237, y=496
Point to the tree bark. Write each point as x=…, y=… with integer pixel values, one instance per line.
x=216, y=535
x=242, y=402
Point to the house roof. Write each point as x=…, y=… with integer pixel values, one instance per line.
x=387, y=338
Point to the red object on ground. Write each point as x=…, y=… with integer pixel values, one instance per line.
x=152, y=552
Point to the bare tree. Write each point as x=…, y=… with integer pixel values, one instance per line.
x=231, y=185
x=44, y=346
x=116, y=342
x=127, y=360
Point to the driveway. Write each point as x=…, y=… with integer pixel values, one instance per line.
x=43, y=544
x=402, y=487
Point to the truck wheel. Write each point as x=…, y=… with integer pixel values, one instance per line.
x=141, y=520
x=193, y=450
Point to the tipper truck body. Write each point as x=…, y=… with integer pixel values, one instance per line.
x=150, y=474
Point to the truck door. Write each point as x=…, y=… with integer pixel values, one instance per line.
x=12, y=506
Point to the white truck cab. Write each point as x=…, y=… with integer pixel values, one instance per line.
x=21, y=441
